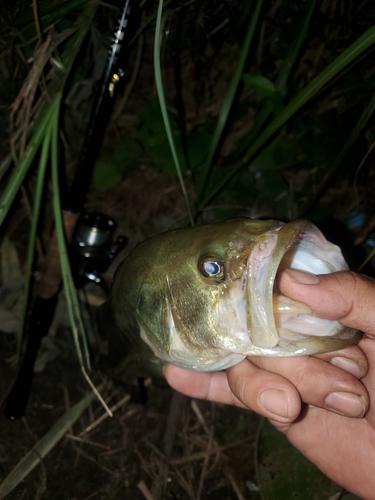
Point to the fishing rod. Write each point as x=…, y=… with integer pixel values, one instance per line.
x=94, y=233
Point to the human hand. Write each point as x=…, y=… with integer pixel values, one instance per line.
x=343, y=448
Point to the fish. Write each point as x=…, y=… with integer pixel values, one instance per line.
x=205, y=297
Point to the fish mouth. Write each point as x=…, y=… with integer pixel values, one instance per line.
x=275, y=322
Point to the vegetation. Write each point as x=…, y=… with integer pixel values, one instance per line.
x=257, y=108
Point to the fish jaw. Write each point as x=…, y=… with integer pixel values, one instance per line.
x=277, y=325
x=261, y=273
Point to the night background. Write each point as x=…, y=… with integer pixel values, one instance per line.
x=270, y=108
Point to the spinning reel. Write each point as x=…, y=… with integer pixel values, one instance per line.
x=93, y=248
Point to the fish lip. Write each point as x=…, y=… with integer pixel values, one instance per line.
x=261, y=324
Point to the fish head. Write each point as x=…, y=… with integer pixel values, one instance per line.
x=208, y=298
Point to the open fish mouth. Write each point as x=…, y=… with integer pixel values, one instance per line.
x=277, y=325
x=204, y=298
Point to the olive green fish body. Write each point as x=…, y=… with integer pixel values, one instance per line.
x=205, y=297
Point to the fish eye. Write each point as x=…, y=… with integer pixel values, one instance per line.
x=211, y=268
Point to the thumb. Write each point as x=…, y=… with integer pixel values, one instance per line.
x=345, y=296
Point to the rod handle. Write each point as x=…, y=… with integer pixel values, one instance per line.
x=40, y=321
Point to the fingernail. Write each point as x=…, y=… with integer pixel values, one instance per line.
x=348, y=365
x=345, y=403
x=274, y=401
x=302, y=277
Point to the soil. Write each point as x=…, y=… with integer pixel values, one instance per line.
x=170, y=447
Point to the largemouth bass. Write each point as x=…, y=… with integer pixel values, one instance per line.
x=205, y=297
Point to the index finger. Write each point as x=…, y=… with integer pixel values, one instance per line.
x=345, y=296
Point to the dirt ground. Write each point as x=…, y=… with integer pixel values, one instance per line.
x=170, y=447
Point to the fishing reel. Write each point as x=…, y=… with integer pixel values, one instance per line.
x=93, y=248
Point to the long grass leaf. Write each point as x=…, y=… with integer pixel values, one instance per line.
x=163, y=106
x=44, y=446
x=34, y=224
x=50, y=13
x=83, y=24
x=343, y=60
x=368, y=258
x=5, y=164
x=24, y=164
x=59, y=225
x=360, y=125
x=146, y=23
x=281, y=83
x=70, y=291
x=229, y=98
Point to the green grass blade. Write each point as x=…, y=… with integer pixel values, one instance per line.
x=24, y=164
x=146, y=23
x=65, y=269
x=368, y=258
x=33, y=230
x=69, y=288
x=5, y=164
x=44, y=446
x=83, y=24
x=51, y=12
x=360, y=125
x=229, y=98
x=281, y=83
x=343, y=60
x=163, y=106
